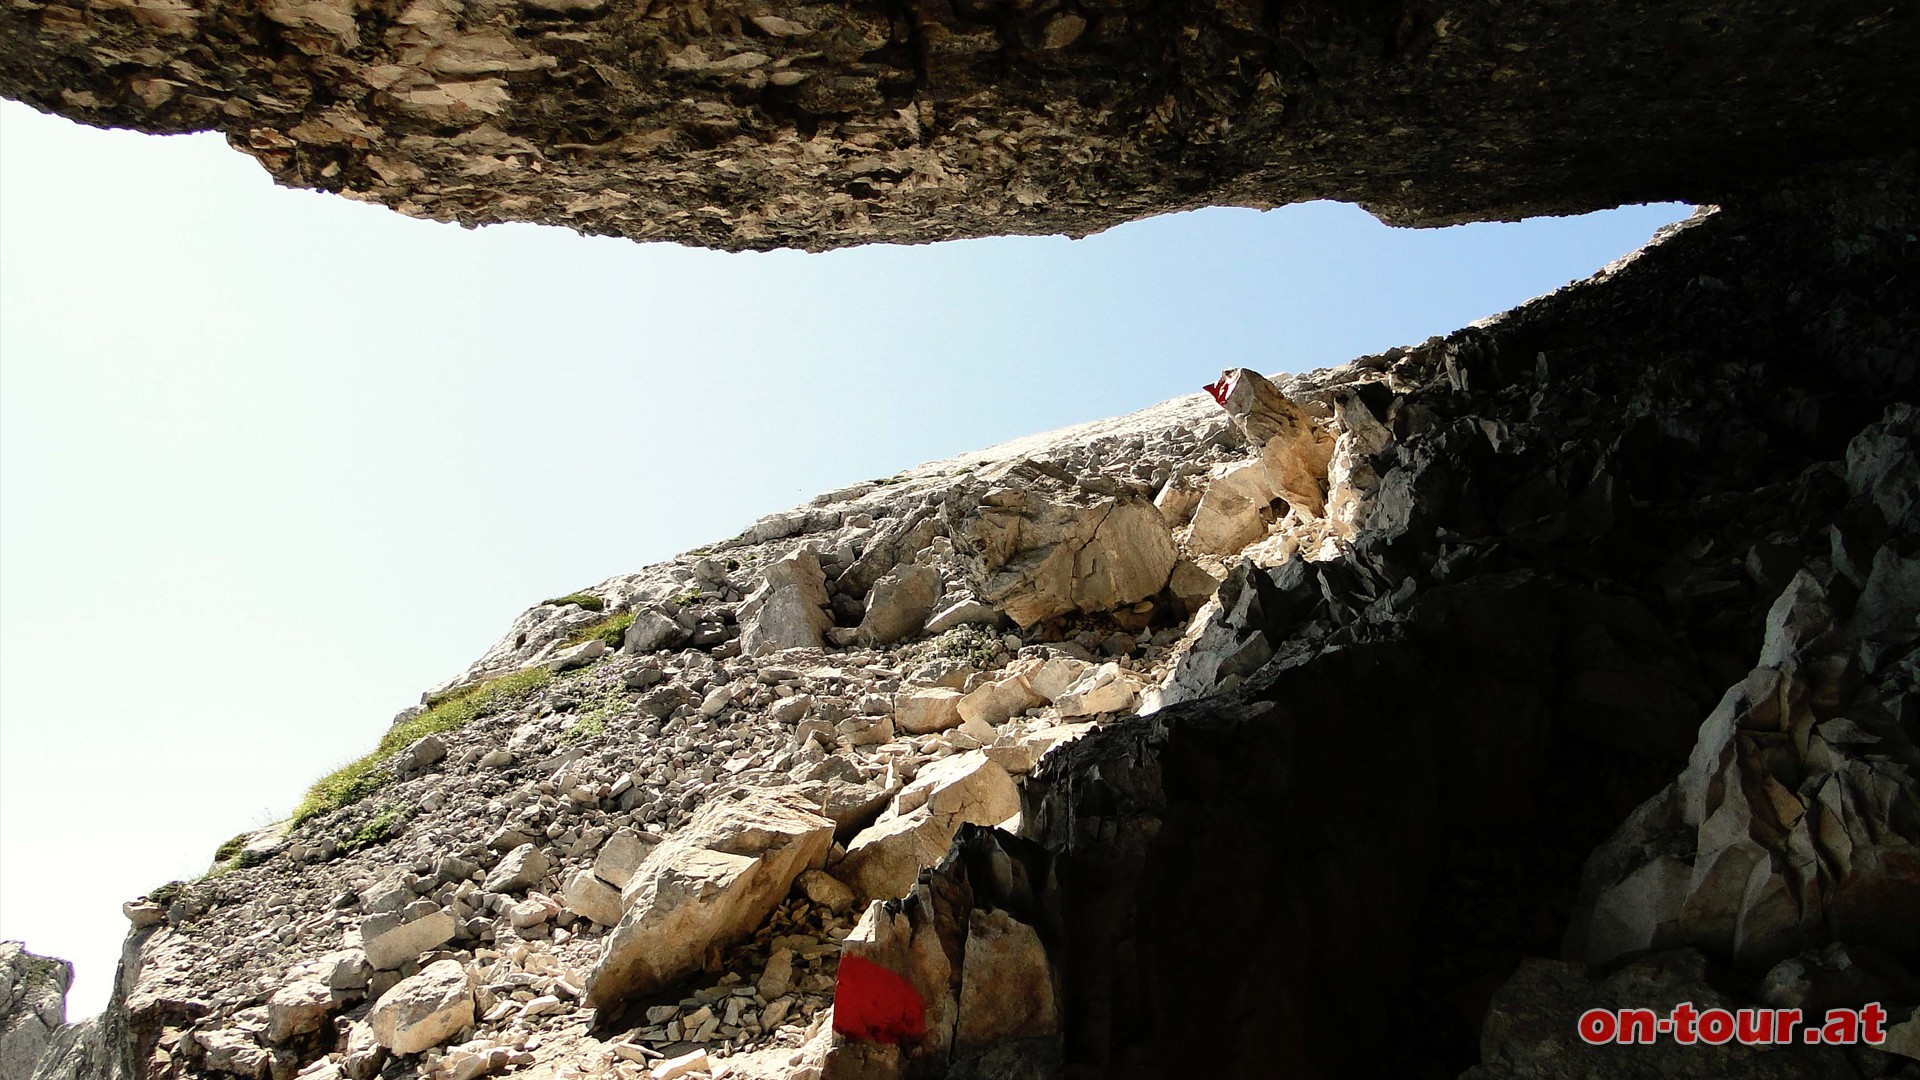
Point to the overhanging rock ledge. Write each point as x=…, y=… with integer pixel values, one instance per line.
x=770, y=123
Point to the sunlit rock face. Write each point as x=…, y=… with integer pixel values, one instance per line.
x=769, y=123
x=1346, y=743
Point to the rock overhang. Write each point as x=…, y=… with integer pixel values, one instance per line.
x=768, y=123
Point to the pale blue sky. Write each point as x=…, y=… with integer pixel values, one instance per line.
x=273, y=462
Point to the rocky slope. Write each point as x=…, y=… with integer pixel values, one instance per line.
x=1357, y=723
x=857, y=679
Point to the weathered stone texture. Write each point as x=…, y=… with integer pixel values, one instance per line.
x=33, y=1006
x=780, y=123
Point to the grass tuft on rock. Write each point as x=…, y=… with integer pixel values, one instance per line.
x=612, y=630
x=591, y=726
x=231, y=849
x=357, y=779
x=585, y=600
x=38, y=971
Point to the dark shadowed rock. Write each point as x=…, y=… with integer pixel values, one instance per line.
x=1532, y=1030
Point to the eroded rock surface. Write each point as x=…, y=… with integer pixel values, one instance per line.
x=791, y=123
x=1039, y=542
x=33, y=1006
x=1355, y=767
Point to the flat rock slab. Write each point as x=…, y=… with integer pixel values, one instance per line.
x=404, y=943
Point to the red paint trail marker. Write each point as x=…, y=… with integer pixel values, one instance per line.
x=875, y=1004
x=1218, y=390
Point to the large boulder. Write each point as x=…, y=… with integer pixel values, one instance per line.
x=883, y=860
x=962, y=788
x=895, y=982
x=1351, y=476
x=899, y=604
x=424, y=1010
x=620, y=856
x=922, y=711
x=391, y=946
x=651, y=631
x=710, y=885
x=586, y=894
x=1105, y=689
x=789, y=609
x=1051, y=678
x=521, y=869
x=297, y=1008
x=996, y=702
x=1234, y=511
x=1294, y=450
x=1038, y=542
x=1006, y=984
x=843, y=791
x=950, y=979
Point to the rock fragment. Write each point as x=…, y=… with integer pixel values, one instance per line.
x=996, y=702
x=1006, y=984
x=1294, y=450
x=1234, y=509
x=424, y=1010
x=402, y=944
x=1038, y=542
x=653, y=632
x=924, y=711
x=298, y=1008
x=519, y=870
x=619, y=857
x=788, y=611
x=1105, y=689
x=588, y=895
x=898, y=605
x=710, y=885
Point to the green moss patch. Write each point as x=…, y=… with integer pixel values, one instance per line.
x=378, y=830
x=612, y=630
x=585, y=600
x=231, y=849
